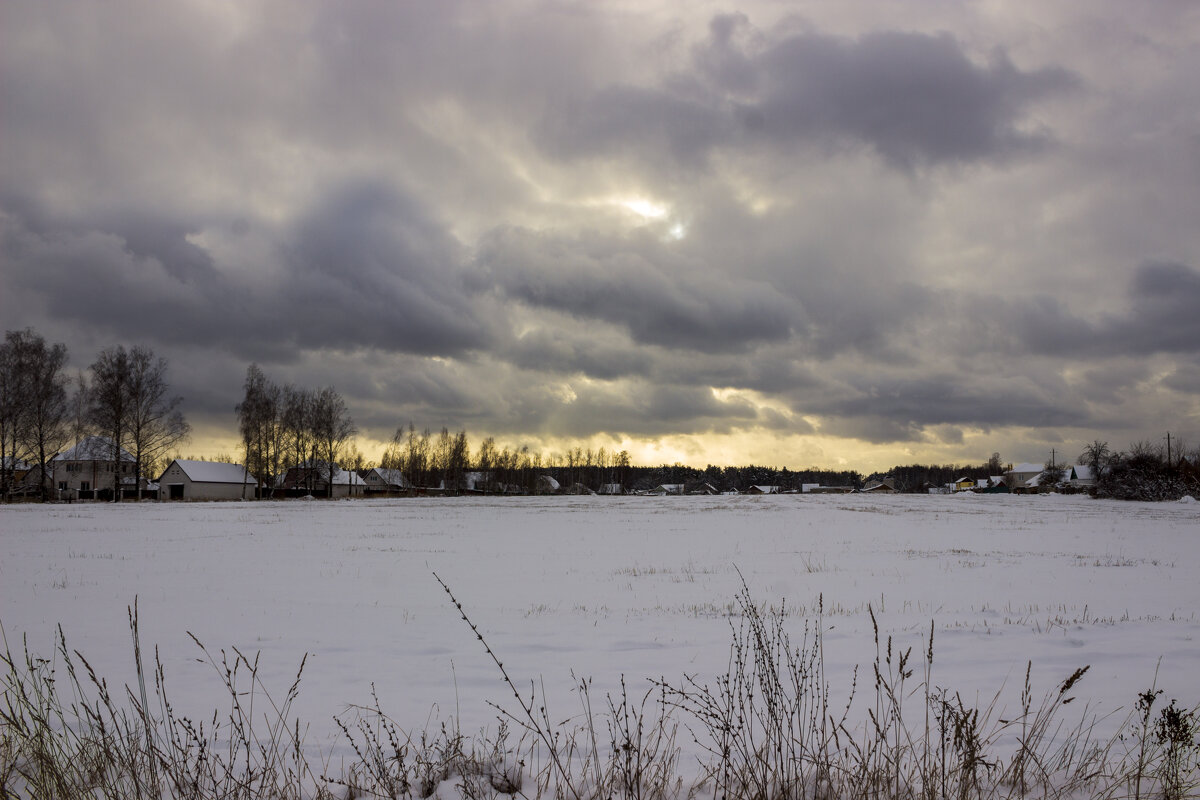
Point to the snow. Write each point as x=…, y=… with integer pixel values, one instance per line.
x=571, y=587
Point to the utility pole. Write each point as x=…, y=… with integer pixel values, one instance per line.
x=1052, y=452
x=1168, y=448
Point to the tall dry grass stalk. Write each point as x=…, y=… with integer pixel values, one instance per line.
x=767, y=729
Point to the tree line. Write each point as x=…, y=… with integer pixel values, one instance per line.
x=124, y=397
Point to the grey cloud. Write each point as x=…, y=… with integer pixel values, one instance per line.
x=564, y=349
x=660, y=298
x=891, y=409
x=1163, y=298
x=366, y=268
x=916, y=99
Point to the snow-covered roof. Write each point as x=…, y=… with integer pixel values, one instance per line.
x=392, y=477
x=211, y=472
x=346, y=478
x=1028, y=467
x=92, y=448
x=965, y=479
x=1081, y=472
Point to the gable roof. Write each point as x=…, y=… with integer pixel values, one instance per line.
x=93, y=448
x=392, y=477
x=211, y=472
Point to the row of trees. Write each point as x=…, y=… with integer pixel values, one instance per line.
x=125, y=397
x=1143, y=472
x=445, y=459
x=289, y=426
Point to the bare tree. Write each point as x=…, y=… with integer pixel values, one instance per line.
x=296, y=430
x=332, y=428
x=47, y=406
x=155, y=422
x=459, y=461
x=14, y=417
x=33, y=406
x=258, y=421
x=1096, y=455
x=108, y=405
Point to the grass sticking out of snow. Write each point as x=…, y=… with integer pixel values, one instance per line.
x=768, y=727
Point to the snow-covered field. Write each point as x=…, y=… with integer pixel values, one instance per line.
x=566, y=588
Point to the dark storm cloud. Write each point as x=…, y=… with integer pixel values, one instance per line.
x=898, y=409
x=914, y=98
x=1162, y=317
x=660, y=297
x=366, y=268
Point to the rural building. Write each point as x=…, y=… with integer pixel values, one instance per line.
x=380, y=480
x=964, y=484
x=611, y=488
x=763, y=490
x=92, y=467
x=668, y=488
x=1018, y=477
x=314, y=479
x=546, y=485
x=882, y=487
x=184, y=479
x=1080, y=477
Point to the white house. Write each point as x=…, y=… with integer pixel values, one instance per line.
x=385, y=480
x=89, y=467
x=184, y=479
x=1019, y=476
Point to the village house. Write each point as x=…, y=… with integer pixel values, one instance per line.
x=381, y=481
x=89, y=469
x=184, y=479
x=1080, y=477
x=314, y=479
x=1018, y=477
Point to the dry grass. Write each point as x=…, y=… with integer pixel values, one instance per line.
x=768, y=729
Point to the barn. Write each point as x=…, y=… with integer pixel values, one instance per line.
x=205, y=480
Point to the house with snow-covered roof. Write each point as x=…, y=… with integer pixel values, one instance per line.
x=319, y=480
x=91, y=467
x=184, y=479
x=1080, y=476
x=380, y=481
x=1018, y=477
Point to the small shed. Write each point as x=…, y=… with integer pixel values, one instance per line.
x=184, y=479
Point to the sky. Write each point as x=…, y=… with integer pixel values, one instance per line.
x=790, y=233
